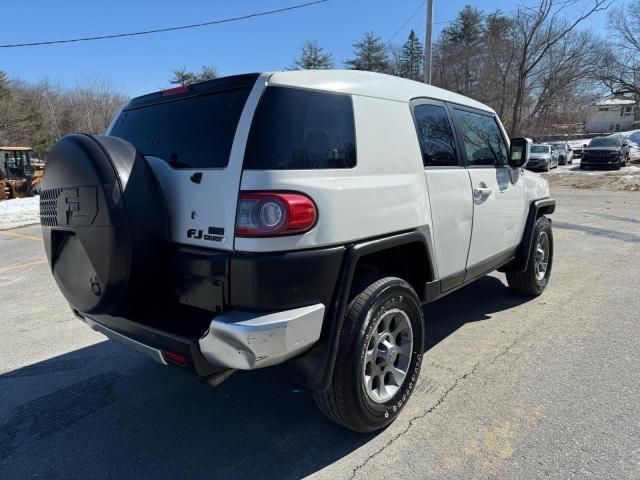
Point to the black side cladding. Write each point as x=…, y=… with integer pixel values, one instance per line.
x=105, y=223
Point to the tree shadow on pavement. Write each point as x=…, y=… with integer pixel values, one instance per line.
x=103, y=411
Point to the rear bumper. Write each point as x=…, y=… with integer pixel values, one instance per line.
x=219, y=310
x=246, y=341
x=235, y=340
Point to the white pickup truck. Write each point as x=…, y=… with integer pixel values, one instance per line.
x=300, y=219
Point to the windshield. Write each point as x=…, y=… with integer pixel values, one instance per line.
x=604, y=142
x=540, y=149
x=193, y=132
x=15, y=163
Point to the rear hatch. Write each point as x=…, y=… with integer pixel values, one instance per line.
x=193, y=137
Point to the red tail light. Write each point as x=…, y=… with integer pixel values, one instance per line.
x=268, y=214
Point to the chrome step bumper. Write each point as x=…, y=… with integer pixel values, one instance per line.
x=245, y=341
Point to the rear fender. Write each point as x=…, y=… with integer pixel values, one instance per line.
x=313, y=370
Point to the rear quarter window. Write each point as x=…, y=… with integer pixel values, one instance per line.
x=295, y=129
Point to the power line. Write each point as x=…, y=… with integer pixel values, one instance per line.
x=406, y=21
x=161, y=30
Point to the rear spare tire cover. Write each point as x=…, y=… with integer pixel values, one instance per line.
x=104, y=222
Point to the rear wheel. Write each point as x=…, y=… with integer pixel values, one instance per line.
x=379, y=357
x=534, y=279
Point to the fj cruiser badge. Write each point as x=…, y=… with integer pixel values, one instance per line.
x=214, y=234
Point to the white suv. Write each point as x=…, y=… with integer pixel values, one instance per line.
x=293, y=218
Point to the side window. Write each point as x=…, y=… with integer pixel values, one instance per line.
x=296, y=129
x=435, y=135
x=483, y=141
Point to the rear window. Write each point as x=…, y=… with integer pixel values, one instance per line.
x=297, y=129
x=539, y=149
x=192, y=132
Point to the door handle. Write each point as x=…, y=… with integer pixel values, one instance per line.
x=482, y=192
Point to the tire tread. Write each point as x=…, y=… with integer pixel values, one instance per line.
x=333, y=402
x=525, y=282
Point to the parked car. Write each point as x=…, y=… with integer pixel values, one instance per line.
x=260, y=230
x=576, y=151
x=565, y=152
x=611, y=151
x=543, y=157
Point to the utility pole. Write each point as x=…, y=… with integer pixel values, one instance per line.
x=427, y=43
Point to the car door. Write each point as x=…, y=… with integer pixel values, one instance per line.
x=497, y=190
x=449, y=190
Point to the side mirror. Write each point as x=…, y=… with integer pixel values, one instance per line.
x=519, y=152
x=625, y=144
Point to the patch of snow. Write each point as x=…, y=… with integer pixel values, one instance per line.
x=19, y=212
x=633, y=138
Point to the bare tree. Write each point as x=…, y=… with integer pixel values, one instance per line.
x=501, y=49
x=563, y=82
x=93, y=104
x=538, y=30
x=620, y=66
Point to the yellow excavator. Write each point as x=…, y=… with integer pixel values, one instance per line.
x=20, y=172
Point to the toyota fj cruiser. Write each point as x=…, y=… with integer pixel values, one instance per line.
x=298, y=219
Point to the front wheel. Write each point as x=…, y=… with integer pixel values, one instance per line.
x=535, y=278
x=379, y=358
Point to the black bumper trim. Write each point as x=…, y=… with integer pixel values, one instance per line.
x=160, y=340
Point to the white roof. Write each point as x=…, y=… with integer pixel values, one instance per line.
x=370, y=84
x=615, y=101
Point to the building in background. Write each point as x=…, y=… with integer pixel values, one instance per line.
x=616, y=114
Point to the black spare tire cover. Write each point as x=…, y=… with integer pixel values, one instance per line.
x=104, y=222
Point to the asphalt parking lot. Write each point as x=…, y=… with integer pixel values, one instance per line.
x=510, y=388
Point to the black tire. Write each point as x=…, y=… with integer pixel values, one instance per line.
x=529, y=282
x=347, y=402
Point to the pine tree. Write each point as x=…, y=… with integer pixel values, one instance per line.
x=208, y=72
x=312, y=57
x=183, y=77
x=462, y=39
x=370, y=54
x=412, y=58
x=186, y=77
x=466, y=29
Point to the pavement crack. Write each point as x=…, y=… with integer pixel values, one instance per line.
x=433, y=407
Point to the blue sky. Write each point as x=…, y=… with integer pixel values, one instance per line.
x=142, y=64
